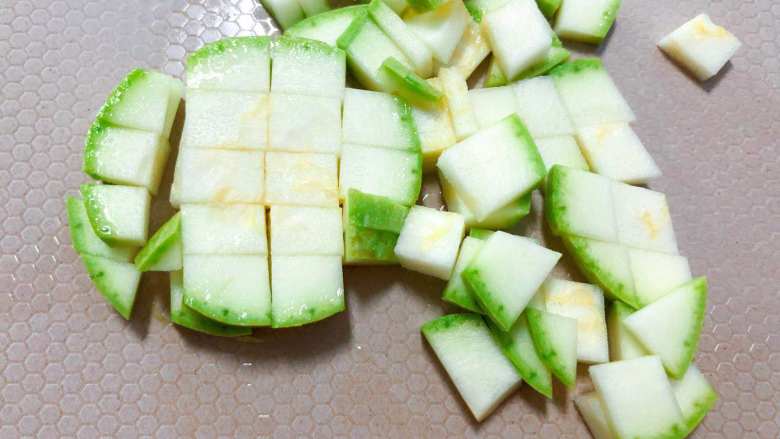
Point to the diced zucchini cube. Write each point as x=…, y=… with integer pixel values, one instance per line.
x=125, y=156
x=305, y=289
x=285, y=12
x=381, y=171
x=144, y=100
x=116, y=281
x=434, y=128
x=580, y=203
x=378, y=119
x=615, y=151
x=589, y=93
x=441, y=29
x=163, y=251
x=657, y=274
x=306, y=231
x=306, y=67
x=457, y=291
x=516, y=51
x=232, y=289
x=643, y=219
x=241, y=64
x=506, y=273
x=541, y=109
x=119, y=214
x=227, y=229
x=414, y=48
x=374, y=212
x=585, y=304
x=638, y=398
x=186, y=317
x=561, y=150
x=670, y=327
x=695, y=396
x=225, y=120
x=493, y=104
x=493, y=167
x=363, y=246
x=587, y=21
x=429, y=241
x=218, y=176
x=301, y=179
x=473, y=359
x=367, y=47
x=305, y=124
x=86, y=241
x=327, y=27
x=555, y=340
x=403, y=82
x=605, y=264
x=622, y=343
x=456, y=91
x=503, y=218
x=701, y=46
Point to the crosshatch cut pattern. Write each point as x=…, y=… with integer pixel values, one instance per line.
x=71, y=367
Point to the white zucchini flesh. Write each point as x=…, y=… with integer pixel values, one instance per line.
x=492, y=104
x=297, y=230
x=119, y=214
x=585, y=304
x=310, y=68
x=301, y=179
x=218, y=176
x=517, y=50
x=86, y=241
x=429, y=241
x=411, y=45
x=694, y=395
x=592, y=411
x=298, y=300
x=701, y=46
x=561, y=150
x=638, y=398
x=643, y=218
x=373, y=118
x=301, y=123
x=657, y=274
x=473, y=360
x=222, y=229
x=225, y=120
x=472, y=49
x=588, y=21
x=615, y=151
x=381, y=171
x=589, y=94
x=555, y=339
x=493, y=167
x=434, y=127
x=622, y=343
x=232, y=289
x=240, y=64
x=670, y=327
x=506, y=273
x=580, y=204
x=541, y=108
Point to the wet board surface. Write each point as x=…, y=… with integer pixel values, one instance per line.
x=70, y=366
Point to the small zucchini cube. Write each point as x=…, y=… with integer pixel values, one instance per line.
x=300, y=299
x=218, y=176
x=305, y=124
x=378, y=119
x=223, y=229
x=429, y=241
x=643, y=219
x=493, y=167
x=516, y=51
x=301, y=179
x=305, y=67
x=225, y=120
x=240, y=64
x=615, y=151
x=701, y=46
x=381, y=171
x=587, y=21
x=119, y=214
x=540, y=107
x=299, y=230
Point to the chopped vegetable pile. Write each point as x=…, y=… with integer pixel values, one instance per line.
x=284, y=174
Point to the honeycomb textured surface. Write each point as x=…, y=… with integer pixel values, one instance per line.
x=71, y=367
